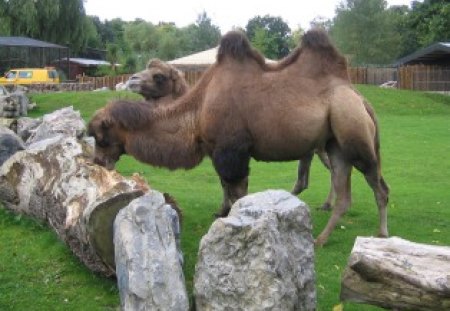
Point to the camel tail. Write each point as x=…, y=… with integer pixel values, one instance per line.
x=372, y=115
x=235, y=45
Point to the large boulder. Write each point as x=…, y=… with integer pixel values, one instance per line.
x=260, y=257
x=148, y=257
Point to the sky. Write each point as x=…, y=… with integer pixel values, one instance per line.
x=226, y=13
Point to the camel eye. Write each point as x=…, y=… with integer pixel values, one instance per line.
x=103, y=143
x=159, y=78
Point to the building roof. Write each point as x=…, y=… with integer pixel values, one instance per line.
x=87, y=62
x=204, y=58
x=24, y=41
x=200, y=59
x=435, y=53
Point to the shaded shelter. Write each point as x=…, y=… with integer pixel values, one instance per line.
x=427, y=69
x=437, y=54
x=80, y=66
x=20, y=52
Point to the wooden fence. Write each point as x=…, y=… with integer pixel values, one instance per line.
x=424, y=78
x=107, y=81
x=417, y=77
x=372, y=75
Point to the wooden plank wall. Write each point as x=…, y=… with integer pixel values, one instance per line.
x=415, y=77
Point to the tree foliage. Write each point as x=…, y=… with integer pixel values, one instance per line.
x=166, y=41
x=363, y=30
x=57, y=21
x=431, y=20
x=371, y=33
x=272, y=34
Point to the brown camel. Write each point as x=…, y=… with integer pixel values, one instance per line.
x=159, y=83
x=244, y=108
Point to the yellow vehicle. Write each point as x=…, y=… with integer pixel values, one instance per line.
x=30, y=76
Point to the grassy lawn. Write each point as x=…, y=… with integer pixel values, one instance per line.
x=37, y=272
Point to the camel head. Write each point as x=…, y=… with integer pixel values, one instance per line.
x=109, y=144
x=158, y=80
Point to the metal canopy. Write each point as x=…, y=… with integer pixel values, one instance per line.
x=28, y=42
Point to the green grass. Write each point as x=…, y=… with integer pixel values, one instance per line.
x=37, y=272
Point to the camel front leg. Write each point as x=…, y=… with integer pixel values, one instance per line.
x=232, y=164
x=304, y=166
x=231, y=193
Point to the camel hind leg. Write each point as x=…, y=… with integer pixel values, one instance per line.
x=381, y=193
x=341, y=183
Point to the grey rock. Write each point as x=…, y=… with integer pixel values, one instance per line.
x=26, y=126
x=260, y=257
x=10, y=143
x=64, y=121
x=147, y=256
x=13, y=105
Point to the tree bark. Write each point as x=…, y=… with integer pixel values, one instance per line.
x=55, y=181
x=397, y=274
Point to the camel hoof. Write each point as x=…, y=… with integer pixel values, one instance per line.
x=320, y=242
x=326, y=207
x=296, y=191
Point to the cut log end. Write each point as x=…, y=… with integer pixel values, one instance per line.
x=397, y=274
x=101, y=222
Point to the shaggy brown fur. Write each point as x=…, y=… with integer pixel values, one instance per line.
x=159, y=83
x=242, y=108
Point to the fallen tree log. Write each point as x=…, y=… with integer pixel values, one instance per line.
x=55, y=181
x=397, y=274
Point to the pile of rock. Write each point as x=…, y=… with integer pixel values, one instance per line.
x=261, y=257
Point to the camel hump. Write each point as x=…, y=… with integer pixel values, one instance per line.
x=235, y=45
x=317, y=39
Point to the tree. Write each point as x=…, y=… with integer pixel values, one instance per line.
x=264, y=42
x=321, y=22
x=295, y=38
x=58, y=21
x=431, y=20
x=91, y=36
x=201, y=35
x=400, y=15
x=276, y=30
x=364, y=30
x=4, y=19
x=112, y=55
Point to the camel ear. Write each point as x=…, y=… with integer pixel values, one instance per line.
x=179, y=85
x=154, y=62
